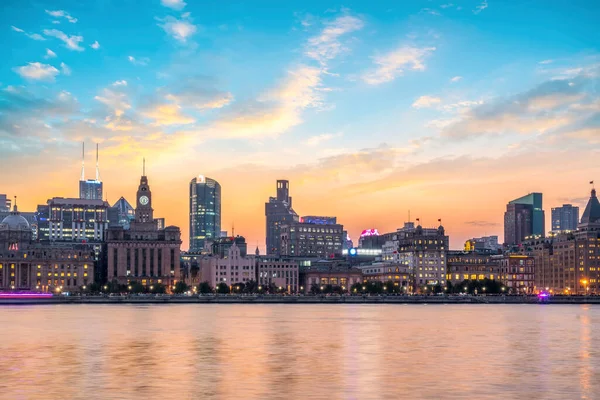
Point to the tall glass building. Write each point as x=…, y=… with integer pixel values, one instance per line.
x=524, y=218
x=205, y=212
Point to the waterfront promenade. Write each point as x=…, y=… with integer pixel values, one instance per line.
x=291, y=299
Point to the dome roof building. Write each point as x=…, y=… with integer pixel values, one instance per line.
x=15, y=222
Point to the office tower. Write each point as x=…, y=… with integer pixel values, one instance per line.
x=565, y=218
x=78, y=220
x=4, y=203
x=143, y=253
x=523, y=219
x=312, y=236
x=278, y=211
x=205, y=212
x=90, y=189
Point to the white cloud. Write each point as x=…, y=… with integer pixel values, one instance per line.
x=316, y=140
x=430, y=11
x=95, y=45
x=393, y=64
x=71, y=42
x=115, y=100
x=174, y=4
x=34, y=36
x=37, y=71
x=56, y=22
x=50, y=54
x=65, y=69
x=480, y=7
x=120, y=83
x=447, y=5
x=138, y=61
x=426, y=102
x=326, y=45
x=167, y=114
x=546, y=62
x=456, y=79
x=61, y=14
x=179, y=29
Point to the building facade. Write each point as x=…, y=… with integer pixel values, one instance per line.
x=73, y=220
x=422, y=251
x=319, y=240
x=220, y=246
x=205, y=212
x=517, y=272
x=569, y=262
x=342, y=277
x=29, y=265
x=278, y=212
x=280, y=273
x=400, y=274
x=231, y=269
x=524, y=219
x=143, y=253
x=487, y=244
x=471, y=266
x=565, y=218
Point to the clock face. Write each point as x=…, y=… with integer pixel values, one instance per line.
x=144, y=200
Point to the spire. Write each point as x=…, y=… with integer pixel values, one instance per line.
x=15, y=206
x=591, y=214
x=144, y=166
x=97, y=169
x=82, y=161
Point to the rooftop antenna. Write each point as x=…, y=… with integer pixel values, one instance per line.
x=97, y=169
x=233, y=229
x=15, y=206
x=408, y=215
x=82, y=161
x=144, y=167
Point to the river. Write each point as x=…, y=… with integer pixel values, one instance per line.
x=284, y=351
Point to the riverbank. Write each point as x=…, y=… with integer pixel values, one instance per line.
x=266, y=299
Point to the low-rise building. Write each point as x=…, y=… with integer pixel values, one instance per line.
x=400, y=274
x=29, y=265
x=278, y=272
x=517, y=272
x=335, y=276
x=471, y=266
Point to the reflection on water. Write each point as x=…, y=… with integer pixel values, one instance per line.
x=299, y=351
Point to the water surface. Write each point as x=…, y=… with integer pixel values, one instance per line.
x=223, y=351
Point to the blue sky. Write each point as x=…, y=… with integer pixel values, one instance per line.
x=363, y=99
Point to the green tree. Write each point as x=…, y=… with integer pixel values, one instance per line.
x=357, y=288
x=251, y=287
x=158, y=288
x=222, y=288
x=204, y=288
x=181, y=287
x=315, y=289
x=136, y=287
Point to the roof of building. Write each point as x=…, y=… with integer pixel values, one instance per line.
x=591, y=213
x=15, y=221
x=77, y=202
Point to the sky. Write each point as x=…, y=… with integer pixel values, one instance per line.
x=370, y=109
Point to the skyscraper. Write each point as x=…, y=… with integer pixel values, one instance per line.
x=90, y=189
x=565, y=218
x=278, y=211
x=524, y=218
x=205, y=212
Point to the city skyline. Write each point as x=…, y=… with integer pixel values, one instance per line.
x=311, y=93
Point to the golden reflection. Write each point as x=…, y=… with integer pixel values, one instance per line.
x=299, y=351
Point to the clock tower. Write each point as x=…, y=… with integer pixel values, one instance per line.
x=143, y=210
